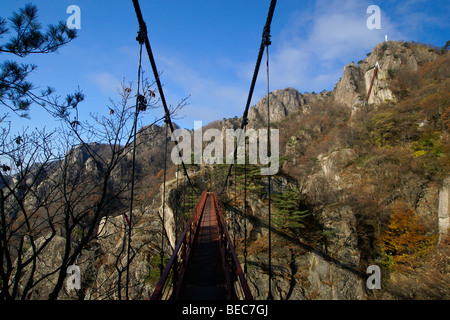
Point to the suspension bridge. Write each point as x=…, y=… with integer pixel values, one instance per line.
x=204, y=264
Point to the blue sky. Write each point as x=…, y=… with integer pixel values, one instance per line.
x=206, y=49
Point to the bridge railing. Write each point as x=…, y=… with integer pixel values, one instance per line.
x=237, y=286
x=168, y=285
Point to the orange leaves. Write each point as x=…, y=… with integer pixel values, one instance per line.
x=434, y=105
x=446, y=118
x=406, y=239
x=160, y=173
x=434, y=67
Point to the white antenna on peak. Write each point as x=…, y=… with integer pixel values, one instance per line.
x=385, y=38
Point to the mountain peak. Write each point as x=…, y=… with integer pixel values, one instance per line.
x=391, y=56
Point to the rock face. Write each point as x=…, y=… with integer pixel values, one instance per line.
x=444, y=209
x=342, y=244
x=51, y=258
x=353, y=87
x=303, y=270
x=380, y=91
x=350, y=89
x=109, y=283
x=282, y=103
x=394, y=55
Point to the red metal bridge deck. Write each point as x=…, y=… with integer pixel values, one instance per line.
x=205, y=277
x=204, y=265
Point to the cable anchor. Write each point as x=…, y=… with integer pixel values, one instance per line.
x=266, y=37
x=166, y=120
x=142, y=103
x=141, y=35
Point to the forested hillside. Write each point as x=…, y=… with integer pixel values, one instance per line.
x=363, y=180
x=370, y=175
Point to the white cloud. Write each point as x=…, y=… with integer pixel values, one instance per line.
x=211, y=98
x=105, y=81
x=316, y=45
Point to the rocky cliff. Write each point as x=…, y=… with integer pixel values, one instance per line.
x=342, y=182
x=352, y=163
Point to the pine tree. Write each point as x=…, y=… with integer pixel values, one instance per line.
x=290, y=211
x=16, y=92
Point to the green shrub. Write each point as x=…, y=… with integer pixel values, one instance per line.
x=290, y=210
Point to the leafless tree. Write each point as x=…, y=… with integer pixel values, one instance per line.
x=61, y=188
x=26, y=211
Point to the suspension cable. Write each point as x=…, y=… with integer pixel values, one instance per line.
x=245, y=202
x=143, y=26
x=177, y=203
x=163, y=202
x=255, y=76
x=269, y=151
x=184, y=196
x=235, y=206
x=176, y=207
x=140, y=39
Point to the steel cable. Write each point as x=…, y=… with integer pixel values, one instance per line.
x=133, y=166
x=143, y=27
x=266, y=30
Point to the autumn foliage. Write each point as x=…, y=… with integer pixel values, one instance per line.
x=405, y=239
